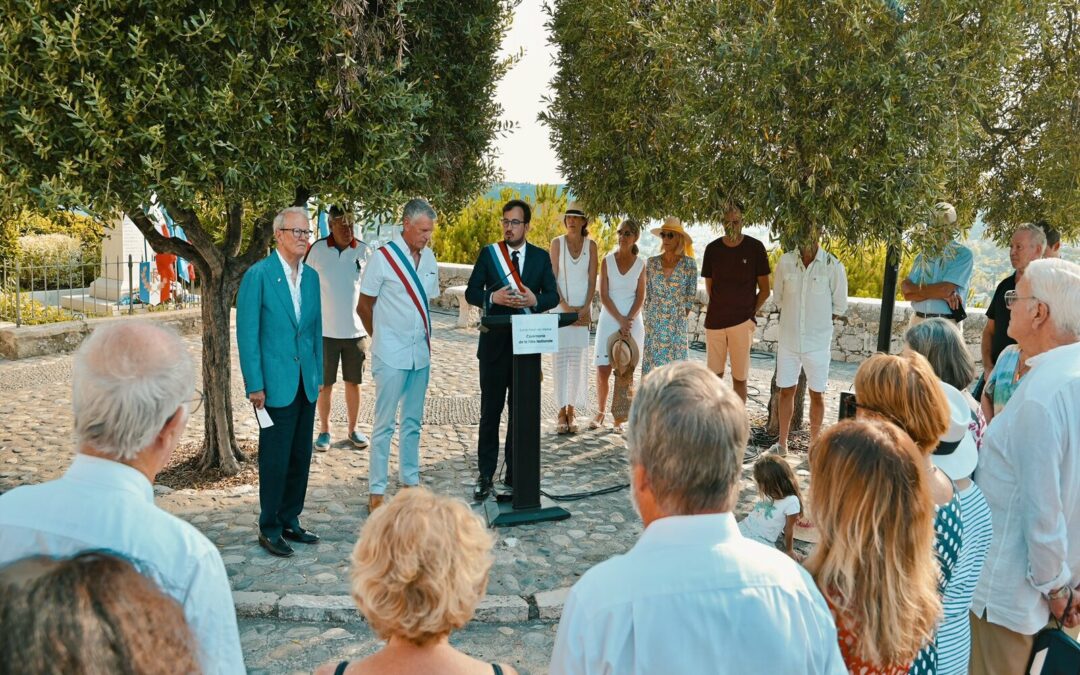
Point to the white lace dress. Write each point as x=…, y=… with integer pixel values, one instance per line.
x=572, y=360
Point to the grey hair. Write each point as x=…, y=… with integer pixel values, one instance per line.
x=941, y=342
x=129, y=378
x=279, y=219
x=1056, y=283
x=688, y=430
x=1038, y=235
x=417, y=207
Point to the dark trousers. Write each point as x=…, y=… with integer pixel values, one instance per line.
x=496, y=386
x=284, y=460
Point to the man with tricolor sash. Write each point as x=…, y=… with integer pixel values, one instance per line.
x=510, y=276
x=401, y=277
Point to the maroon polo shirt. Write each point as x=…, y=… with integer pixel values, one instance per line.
x=734, y=271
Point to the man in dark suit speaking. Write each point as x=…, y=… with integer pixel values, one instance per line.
x=510, y=277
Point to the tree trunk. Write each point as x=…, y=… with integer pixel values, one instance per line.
x=220, y=450
x=772, y=427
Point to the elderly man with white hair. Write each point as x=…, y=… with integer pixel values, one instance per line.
x=279, y=337
x=132, y=395
x=693, y=595
x=1029, y=471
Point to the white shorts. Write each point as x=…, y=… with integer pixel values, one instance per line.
x=816, y=365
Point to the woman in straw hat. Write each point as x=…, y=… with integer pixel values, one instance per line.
x=670, y=290
x=622, y=295
x=573, y=260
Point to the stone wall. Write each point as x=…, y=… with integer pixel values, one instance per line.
x=854, y=336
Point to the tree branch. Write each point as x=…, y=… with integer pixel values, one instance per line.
x=234, y=232
x=159, y=242
x=261, y=235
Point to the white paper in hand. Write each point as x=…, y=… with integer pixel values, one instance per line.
x=264, y=418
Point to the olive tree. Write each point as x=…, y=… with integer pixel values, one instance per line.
x=224, y=113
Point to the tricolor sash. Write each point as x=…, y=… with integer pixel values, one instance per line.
x=412, y=284
x=505, y=267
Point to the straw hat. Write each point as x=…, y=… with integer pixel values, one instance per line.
x=956, y=453
x=623, y=353
x=575, y=209
x=673, y=224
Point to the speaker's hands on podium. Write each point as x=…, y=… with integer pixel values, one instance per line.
x=508, y=296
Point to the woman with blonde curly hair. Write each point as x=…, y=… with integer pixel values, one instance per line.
x=875, y=562
x=418, y=571
x=904, y=389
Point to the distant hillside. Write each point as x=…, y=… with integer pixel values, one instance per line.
x=526, y=190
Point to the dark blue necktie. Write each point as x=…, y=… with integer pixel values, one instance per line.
x=516, y=258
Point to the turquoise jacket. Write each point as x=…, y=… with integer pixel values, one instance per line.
x=275, y=352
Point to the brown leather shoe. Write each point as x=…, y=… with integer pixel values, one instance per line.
x=374, y=502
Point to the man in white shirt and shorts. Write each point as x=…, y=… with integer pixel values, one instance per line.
x=339, y=259
x=811, y=288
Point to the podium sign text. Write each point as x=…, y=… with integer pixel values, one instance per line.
x=535, y=333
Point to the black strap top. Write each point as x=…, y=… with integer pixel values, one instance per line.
x=340, y=670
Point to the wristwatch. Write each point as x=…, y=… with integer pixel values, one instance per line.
x=1059, y=593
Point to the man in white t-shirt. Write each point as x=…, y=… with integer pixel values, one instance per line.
x=339, y=259
x=810, y=290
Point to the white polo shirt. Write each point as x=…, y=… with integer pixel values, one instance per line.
x=400, y=338
x=808, y=297
x=339, y=285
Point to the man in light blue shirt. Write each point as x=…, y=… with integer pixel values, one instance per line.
x=937, y=286
x=132, y=395
x=693, y=595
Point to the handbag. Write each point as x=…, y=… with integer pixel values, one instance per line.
x=1054, y=651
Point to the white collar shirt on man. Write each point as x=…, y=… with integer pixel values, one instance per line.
x=339, y=285
x=101, y=504
x=1029, y=472
x=694, y=596
x=294, y=286
x=808, y=297
x=399, y=339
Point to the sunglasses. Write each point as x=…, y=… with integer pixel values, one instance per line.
x=669, y=235
x=625, y=233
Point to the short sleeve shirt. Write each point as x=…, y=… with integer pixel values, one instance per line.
x=953, y=266
x=1000, y=314
x=734, y=271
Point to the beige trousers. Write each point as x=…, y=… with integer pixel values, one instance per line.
x=996, y=650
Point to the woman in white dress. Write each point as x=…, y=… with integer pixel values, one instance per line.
x=573, y=260
x=622, y=294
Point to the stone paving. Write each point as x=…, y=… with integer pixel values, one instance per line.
x=280, y=598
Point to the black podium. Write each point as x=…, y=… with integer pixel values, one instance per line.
x=527, y=505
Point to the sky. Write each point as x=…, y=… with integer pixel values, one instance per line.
x=525, y=154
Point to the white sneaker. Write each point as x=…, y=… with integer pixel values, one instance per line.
x=777, y=450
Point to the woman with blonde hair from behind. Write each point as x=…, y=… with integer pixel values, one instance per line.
x=418, y=571
x=904, y=389
x=875, y=562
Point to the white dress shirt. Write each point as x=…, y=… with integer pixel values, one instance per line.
x=695, y=596
x=808, y=297
x=100, y=504
x=294, y=286
x=1029, y=472
x=399, y=338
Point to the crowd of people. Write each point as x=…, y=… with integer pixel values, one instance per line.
x=946, y=528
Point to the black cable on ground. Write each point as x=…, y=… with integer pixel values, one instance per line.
x=584, y=495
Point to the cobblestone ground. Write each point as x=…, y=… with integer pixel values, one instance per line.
x=35, y=430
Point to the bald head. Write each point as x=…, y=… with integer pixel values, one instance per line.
x=129, y=379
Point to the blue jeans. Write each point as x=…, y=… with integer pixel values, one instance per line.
x=395, y=388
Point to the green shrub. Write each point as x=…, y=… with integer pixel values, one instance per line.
x=56, y=261
x=30, y=312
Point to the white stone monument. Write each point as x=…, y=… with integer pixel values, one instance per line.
x=122, y=238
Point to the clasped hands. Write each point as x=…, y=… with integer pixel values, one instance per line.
x=508, y=297
x=954, y=300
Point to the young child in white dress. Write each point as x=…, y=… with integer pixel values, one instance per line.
x=779, y=503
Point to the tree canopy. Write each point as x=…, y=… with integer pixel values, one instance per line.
x=221, y=114
x=848, y=118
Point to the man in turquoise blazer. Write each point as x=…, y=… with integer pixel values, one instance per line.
x=279, y=335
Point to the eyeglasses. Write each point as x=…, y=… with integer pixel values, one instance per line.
x=512, y=223
x=668, y=234
x=297, y=232
x=193, y=404
x=1011, y=297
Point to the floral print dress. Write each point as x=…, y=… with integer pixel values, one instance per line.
x=667, y=301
